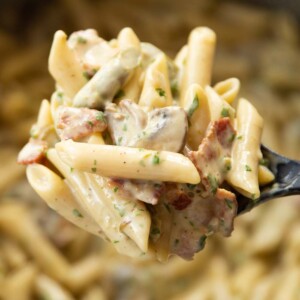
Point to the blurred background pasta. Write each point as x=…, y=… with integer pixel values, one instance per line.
x=42, y=256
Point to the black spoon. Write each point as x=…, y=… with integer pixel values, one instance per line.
x=286, y=182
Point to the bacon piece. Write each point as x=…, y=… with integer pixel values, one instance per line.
x=145, y=191
x=212, y=159
x=204, y=215
x=75, y=123
x=33, y=152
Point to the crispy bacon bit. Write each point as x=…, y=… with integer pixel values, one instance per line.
x=212, y=159
x=75, y=123
x=206, y=214
x=182, y=201
x=148, y=192
x=33, y=152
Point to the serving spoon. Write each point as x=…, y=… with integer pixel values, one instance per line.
x=286, y=182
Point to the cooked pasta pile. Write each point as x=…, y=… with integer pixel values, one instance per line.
x=44, y=256
x=143, y=145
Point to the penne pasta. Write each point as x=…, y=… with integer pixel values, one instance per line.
x=198, y=111
x=156, y=91
x=64, y=67
x=246, y=150
x=228, y=89
x=199, y=61
x=128, y=162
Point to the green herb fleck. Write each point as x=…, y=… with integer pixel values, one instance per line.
x=174, y=89
x=247, y=168
x=264, y=162
x=231, y=139
x=100, y=117
x=228, y=203
x=125, y=127
x=77, y=213
x=191, y=186
x=225, y=112
x=239, y=137
x=94, y=170
x=213, y=183
x=95, y=162
x=155, y=231
x=81, y=40
x=155, y=160
x=194, y=106
x=71, y=169
x=115, y=242
x=86, y=75
x=191, y=223
x=119, y=94
x=60, y=94
x=115, y=189
x=90, y=123
x=202, y=241
x=119, y=140
x=176, y=242
x=167, y=207
x=161, y=92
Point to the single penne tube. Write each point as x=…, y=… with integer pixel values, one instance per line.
x=92, y=194
x=127, y=39
x=126, y=162
x=156, y=91
x=44, y=117
x=246, y=151
x=228, y=89
x=64, y=66
x=198, y=111
x=218, y=107
x=47, y=287
x=57, y=194
x=199, y=61
x=19, y=285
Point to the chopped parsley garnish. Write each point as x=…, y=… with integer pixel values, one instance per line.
x=225, y=112
x=161, y=92
x=155, y=231
x=71, y=169
x=90, y=123
x=81, y=40
x=264, y=162
x=60, y=94
x=228, y=203
x=155, y=160
x=239, y=137
x=247, y=168
x=174, y=89
x=77, y=213
x=191, y=186
x=119, y=94
x=231, y=139
x=167, y=207
x=194, y=106
x=94, y=170
x=213, y=183
x=191, y=223
x=202, y=241
x=100, y=117
x=86, y=75
x=119, y=140
x=115, y=242
x=125, y=127
x=115, y=189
